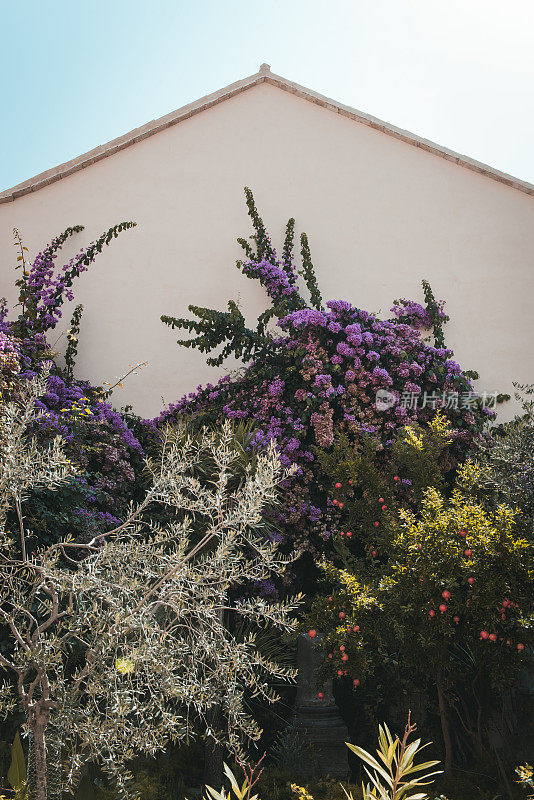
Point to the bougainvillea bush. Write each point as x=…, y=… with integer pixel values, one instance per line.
x=328, y=369
x=96, y=437
x=443, y=603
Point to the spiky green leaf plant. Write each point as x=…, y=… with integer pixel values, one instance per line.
x=393, y=776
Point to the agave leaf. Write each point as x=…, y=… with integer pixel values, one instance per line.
x=368, y=793
x=377, y=786
x=391, y=750
x=419, y=767
x=421, y=782
x=388, y=733
x=385, y=758
x=231, y=777
x=402, y=792
x=422, y=779
x=214, y=795
x=415, y=783
x=368, y=758
x=384, y=737
x=382, y=740
x=426, y=744
x=410, y=752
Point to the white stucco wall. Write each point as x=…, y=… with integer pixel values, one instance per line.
x=380, y=214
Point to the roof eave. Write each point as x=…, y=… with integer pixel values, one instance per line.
x=264, y=75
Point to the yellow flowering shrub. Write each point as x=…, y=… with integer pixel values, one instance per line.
x=446, y=606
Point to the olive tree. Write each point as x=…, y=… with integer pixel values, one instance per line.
x=121, y=644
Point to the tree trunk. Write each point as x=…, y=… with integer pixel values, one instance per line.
x=39, y=748
x=213, y=752
x=213, y=755
x=445, y=726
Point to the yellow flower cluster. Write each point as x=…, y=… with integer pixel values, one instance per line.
x=78, y=408
x=438, y=430
x=124, y=665
x=412, y=438
x=526, y=774
x=358, y=593
x=301, y=792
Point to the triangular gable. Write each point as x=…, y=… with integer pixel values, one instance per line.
x=264, y=75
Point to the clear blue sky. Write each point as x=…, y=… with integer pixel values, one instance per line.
x=77, y=73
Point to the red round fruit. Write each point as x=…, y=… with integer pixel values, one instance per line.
x=338, y=486
x=384, y=508
x=334, y=502
x=373, y=553
x=443, y=608
x=342, y=647
x=342, y=615
x=349, y=534
x=356, y=628
x=312, y=633
x=344, y=657
x=320, y=696
x=381, y=500
x=456, y=619
x=340, y=505
x=355, y=683
x=396, y=478
x=463, y=533
x=520, y=647
x=330, y=655
x=431, y=613
x=493, y=637
x=376, y=523
x=484, y=635
x=420, y=546
x=340, y=672
x=446, y=594
x=470, y=581
x=468, y=552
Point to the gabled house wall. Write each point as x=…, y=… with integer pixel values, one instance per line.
x=381, y=213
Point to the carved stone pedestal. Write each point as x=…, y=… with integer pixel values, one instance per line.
x=524, y=744
x=319, y=721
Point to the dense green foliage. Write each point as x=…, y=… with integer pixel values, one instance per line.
x=441, y=600
x=508, y=464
